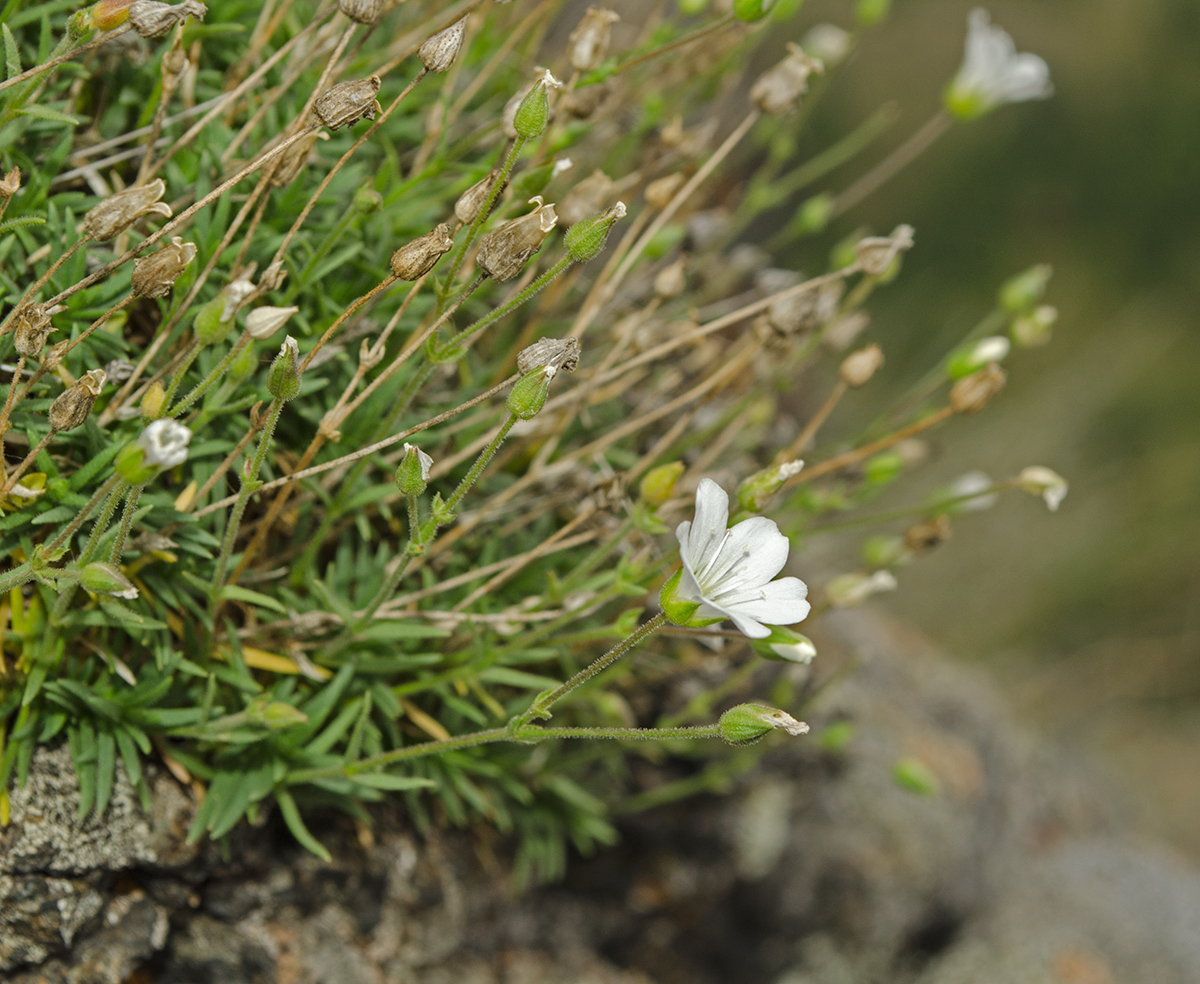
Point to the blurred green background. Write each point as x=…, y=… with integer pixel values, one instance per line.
x=1091, y=616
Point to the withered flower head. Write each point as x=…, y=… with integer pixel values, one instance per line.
x=671, y=280
x=552, y=353
x=974, y=392
x=155, y=275
x=582, y=101
x=504, y=252
x=53, y=356
x=348, y=102
x=32, y=329
x=660, y=192
x=362, y=11
x=290, y=162
x=801, y=310
x=438, y=51
x=75, y=402
x=876, y=253
x=152, y=19
x=590, y=40
x=593, y=194
x=11, y=183
x=925, y=536
x=466, y=209
x=779, y=89
x=415, y=259
x=858, y=367
x=118, y=212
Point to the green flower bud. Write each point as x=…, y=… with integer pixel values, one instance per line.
x=814, y=214
x=243, y=366
x=915, y=776
x=534, y=112
x=756, y=491
x=970, y=358
x=883, y=551
x=751, y=10
x=106, y=579
x=587, y=238
x=274, y=714
x=785, y=646
x=884, y=467
x=868, y=13
x=1033, y=329
x=413, y=474
x=1019, y=294
x=208, y=325
x=528, y=396
x=283, y=378
x=367, y=200
x=747, y=723
x=659, y=484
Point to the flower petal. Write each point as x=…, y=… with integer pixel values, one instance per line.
x=708, y=528
x=753, y=553
x=781, y=602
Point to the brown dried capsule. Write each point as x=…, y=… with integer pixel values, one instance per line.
x=671, y=280
x=504, y=252
x=118, y=212
x=11, y=183
x=362, y=11
x=877, y=253
x=583, y=101
x=779, y=89
x=289, y=163
x=438, y=51
x=593, y=194
x=152, y=19
x=52, y=357
x=660, y=192
x=858, y=367
x=75, y=402
x=927, y=535
x=155, y=275
x=974, y=392
x=32, y=328
x=804, y=310
x=466, y=209
x=590, y=40
x=348, y=102
x=557, y=353
x=415, y=259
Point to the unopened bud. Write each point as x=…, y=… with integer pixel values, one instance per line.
x=119, y=211
x=747, y=723
x=466, y=209
x=110, y=14
x=922, y=537
x=264, y=321
x=243, y=365
x=848, y=590
x=671, y=280
x=106, y=579
x=348, y=102
x=32, y=329
x=868, y=13
x=413, y=474
x=659, y=483
x=505, y=251
x=1033, y=329
x=813, y=216
x=1020, y=293
x=974, y=392
x=73, y=404
x=593, y=194
x=283, y=378
x=555, y=353
x=591, y=38
x=528, y=396
x=973, y=491
x=152, y=19
x=438, y=51
x=155, y=275
x=785, y=645
x=277, y=715
x=876, y=254
x=208, y=325
x=752, y=10
x=586, y=239
x=533, y=113
x=756, y=492
x=161, y=446
x=658, y=193
x=1051, y=486
x=415, y=259
x=153, y=401
x=362, y=11
x=779, y=89
x=970, y=358
x=884, y=551
x=858, y=367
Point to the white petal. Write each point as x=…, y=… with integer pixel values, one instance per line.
x=708, y=528
x=689, y=589
x=753, y=553
x=1025, y=77
x=781, y=602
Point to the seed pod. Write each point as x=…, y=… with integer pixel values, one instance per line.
x=348, y=102
x=415, y=259
x=671, y=280
x=591, y=38
x=438, y=51
x=503, y=252
x=556, y=353
x=660, y=192
x=593, y=194
x=53, y=356
x=779, y=89
x=290, y=162
x=11, y=183
x=974, y=392
x=155, y=275
x=264, y=321
x=532, y=115
x=583, y=101
x=152, y=19
x=466, y=209
x=75, y=402
x=118, y=212
x=922, y=537
x=858, y=367
x=118, y=370
x=362, y=11
x=877, y=253
x=529, y=394
x=585, y=239
x=32, y=329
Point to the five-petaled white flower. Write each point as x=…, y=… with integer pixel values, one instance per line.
x=993, y=72
x=164, y=444
x=727, y=573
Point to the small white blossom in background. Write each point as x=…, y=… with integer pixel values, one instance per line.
x=727, y=573
x=972, y=483
x=993, y=73
x=164, y=444
x=848, y=590
x=1050, y=485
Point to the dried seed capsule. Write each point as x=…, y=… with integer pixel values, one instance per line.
x=415, y=259
x=503, y=252
x=925, y=536
x=660, y=192
x=152, y=19
x=558, y=353
x=118, y=370
x=53, y=356
x=362, y=11
x=582, y=102
x=593, y=194
x=75, y=402
x=671, y=280
x=32, y=329
x=348, y=102
x=591, y=38
x=155, y=275
x=585, y=239
x=779, y=89
x=858, y=367
x=466, y=209
x=118, y=212
x=974, y=392
x=11, y=183
x=877, y=253
x=289, y=163
x=438, y=51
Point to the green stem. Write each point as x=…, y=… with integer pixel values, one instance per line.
x=531, y=732
x=19, y=575
x=184, y=366
x=101, y=527
x=468, y=333
x=414, y=526
x=131, y=501
x=929, y=508
x=51, y=549
x=208, y=381
x=481, y=463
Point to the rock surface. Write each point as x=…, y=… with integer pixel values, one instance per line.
x=1011, y=867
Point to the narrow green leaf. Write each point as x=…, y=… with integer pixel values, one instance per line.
x=291, y=816
x=238, y=593
x=46, y=113
x=12, y=54
x=106, y=763
x=391, y=783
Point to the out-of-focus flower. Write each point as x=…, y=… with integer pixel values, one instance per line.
x=1050, y=485
x=993, y=72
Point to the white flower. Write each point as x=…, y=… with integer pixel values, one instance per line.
x=795, y=652
x=164, y=444
x=993, y=73
x=1050, y=485
x=264, y=321
x=848, y=590
x=971, y=484
x=728, y=572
